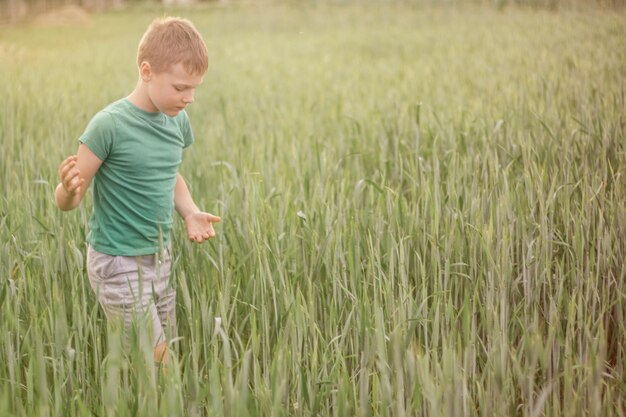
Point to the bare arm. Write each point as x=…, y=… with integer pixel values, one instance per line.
x=199, y=224
x=76, y=173
x=182, y=198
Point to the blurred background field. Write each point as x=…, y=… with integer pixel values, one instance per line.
x=424, y=211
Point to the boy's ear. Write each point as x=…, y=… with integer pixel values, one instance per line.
x=145, y=71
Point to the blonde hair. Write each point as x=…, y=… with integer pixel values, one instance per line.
x=172, y=40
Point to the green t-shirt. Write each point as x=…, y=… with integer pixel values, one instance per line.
x=133, y=191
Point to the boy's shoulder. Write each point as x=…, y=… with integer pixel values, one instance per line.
x=118, y=107
x=107, y=115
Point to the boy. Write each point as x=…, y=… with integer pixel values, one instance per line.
x=132, y=149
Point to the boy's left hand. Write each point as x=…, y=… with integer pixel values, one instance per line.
x=200, y=226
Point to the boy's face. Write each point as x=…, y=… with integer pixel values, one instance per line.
x=170, y=91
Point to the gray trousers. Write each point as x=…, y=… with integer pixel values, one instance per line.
x=135, y=290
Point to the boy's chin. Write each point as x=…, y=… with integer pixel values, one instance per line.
x=172, y=112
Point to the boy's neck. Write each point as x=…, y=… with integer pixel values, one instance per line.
x=140, y=98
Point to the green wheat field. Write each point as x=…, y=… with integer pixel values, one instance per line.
x=424, y=214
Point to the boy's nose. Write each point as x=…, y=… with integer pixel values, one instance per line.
x=188, y=98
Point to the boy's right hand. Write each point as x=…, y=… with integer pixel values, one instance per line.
x=75, y=173
x=70, y=175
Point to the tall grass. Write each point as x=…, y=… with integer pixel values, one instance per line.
x=424, y=213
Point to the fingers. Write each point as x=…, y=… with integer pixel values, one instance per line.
x=79, y=186
x=200, y=226
x=210, y=232
x=198, y=239
x=63, y=166
x=70, y=177
x=212, y=218
x=69, y=171
x=74, y=186
x=205, y=235
x=67, y=161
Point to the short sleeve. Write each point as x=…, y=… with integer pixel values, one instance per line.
x=99, y=135
x=185, y=127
